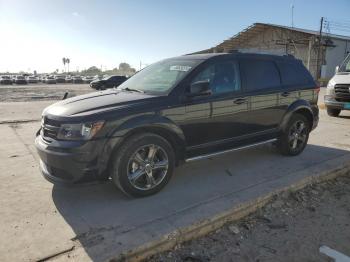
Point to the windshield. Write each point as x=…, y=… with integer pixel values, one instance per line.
x=159, y=78
x=107, y=77
x=345, y=66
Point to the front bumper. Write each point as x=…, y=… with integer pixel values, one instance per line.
x=331, y=102
x=21, y=82
x=6, y=82
x=71, y=162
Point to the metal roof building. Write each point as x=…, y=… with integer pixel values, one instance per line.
x=302, y=43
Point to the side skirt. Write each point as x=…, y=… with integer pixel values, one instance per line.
x=200, y=157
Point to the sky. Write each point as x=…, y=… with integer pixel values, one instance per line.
x=37, y=34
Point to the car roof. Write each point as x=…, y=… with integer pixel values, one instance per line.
x=235, y=54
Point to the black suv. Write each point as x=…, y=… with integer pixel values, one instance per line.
x=178, y=110
x=107, y=82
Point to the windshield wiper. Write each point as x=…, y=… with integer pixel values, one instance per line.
x=133, y=90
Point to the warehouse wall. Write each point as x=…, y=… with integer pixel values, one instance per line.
x=334, y=56
x=277, y=40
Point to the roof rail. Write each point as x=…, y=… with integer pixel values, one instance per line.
x=258, y=51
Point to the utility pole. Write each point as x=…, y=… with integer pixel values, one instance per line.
x=318, y=64
x=292, y=6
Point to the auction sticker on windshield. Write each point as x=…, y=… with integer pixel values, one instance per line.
x=180, y=68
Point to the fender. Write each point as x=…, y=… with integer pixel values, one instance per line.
x=150, y=122
x=296, y=106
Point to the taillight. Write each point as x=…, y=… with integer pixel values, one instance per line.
x=317, y=89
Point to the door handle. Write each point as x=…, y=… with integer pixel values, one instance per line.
x=285, y=94
x=239, y=101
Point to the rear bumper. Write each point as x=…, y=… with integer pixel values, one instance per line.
x=330, y=102
x=316, y=117
x=72, y=162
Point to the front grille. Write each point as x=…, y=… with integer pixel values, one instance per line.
x=50, y=128
x=342, y=92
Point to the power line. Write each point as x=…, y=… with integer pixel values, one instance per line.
x=336, y=25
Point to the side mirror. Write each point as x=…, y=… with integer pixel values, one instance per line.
x=200, y=88
x=336, y=69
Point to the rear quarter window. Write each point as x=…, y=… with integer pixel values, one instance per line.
x=294, y=74
x=260, y=74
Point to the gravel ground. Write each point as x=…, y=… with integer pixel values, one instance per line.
x=41, y=92
x=292, y=227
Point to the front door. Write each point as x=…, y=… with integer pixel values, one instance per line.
x=215, y=119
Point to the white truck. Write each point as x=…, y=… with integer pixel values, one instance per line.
x=337, y=97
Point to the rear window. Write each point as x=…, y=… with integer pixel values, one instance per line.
x=294, y=74
x=260, y=74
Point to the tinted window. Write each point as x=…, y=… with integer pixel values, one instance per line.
x=260, y=74
x=294, y=74
x=223, y=77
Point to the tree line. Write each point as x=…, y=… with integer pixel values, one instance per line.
x=123, y=69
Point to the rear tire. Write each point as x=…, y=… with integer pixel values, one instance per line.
x=143, y=165
x=294, y=138
x=333, y=112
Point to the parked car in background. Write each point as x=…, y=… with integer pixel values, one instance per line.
x=108, y=82
x=20, y=80
x=5, y=80
x=88, y=79
x=50, y=80
x=77, y=80
x=69, y=79
x=337, y=97
x=44, y=77
x=60, y=79
x=32, y=79
x=178, y=110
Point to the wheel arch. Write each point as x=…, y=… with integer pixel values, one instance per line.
x=154, y=124
x=302, y=107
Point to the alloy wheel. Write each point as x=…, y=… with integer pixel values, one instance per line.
x=147, y=167
x=297, y=135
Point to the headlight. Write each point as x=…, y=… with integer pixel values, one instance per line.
x=330, y=88
x=83, y=131
x=331, y=84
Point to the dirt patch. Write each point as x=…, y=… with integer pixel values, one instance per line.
x=292, y=227
x=41, y=92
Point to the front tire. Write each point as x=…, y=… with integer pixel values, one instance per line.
x=294, y=138
x=333, y=112
x=143, y=165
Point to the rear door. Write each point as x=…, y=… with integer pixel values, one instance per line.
x=297, y=83
x=262, y=86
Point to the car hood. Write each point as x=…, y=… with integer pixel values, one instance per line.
x=96, y=102
x=96, y=81
x=341, y=78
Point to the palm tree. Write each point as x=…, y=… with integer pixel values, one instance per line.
x=64, y=60
x=68, y=62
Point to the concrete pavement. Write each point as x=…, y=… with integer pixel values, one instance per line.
x=96, y=222
x=22, y=111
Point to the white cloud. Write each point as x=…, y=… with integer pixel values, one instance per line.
x=76, y=14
